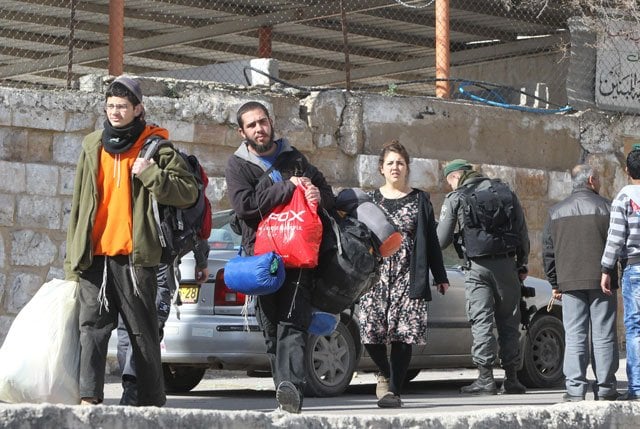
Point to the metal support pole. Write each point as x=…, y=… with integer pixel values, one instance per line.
x=116, y=37
x=264, y=40
x=443, y=85
x=72, y=27
x=345, y=41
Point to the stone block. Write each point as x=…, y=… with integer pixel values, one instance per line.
x=336, y=167
x=32, y=249
x=5, y=321
x=3, y=253
x=268, y=67
x=42, y=179
x=504, y=173
x=22, y=287
x=54, y=273
x=351, y=135
x=322, y=141
x=12, y=177
x=67, y=148
x=214, y=135
x=559, y=185
x=67, y=176
x=535, y=212
x=26, y=116
x=214, y=165
x=179, y=130
x=14, y=144
x=39, y=212
x=5, y=115
x=324, y=111
x=367, y=172
x=39, y=146
x=424, y=174
x=7, y=209
x=301, y=138
x=531, y=183
x=83, y=121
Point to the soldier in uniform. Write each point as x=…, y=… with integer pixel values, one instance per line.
x=495, y=246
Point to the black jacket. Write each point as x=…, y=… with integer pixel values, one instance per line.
x=253, y=196
x=426, y=255
x=573, y=240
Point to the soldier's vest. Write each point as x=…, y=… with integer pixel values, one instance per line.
x=489, y=219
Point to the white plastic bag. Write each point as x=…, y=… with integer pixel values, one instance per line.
x=40, y=357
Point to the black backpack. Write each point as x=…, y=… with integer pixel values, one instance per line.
x=489, y=219
x=180, y=229
x=347, y=264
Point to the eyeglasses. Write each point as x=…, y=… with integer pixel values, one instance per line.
x=117, y=107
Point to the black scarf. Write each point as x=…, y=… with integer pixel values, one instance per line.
x=119, y=140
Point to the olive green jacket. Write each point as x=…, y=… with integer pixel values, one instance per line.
x=169, y=181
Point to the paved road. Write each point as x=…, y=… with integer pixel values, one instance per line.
x=431, y=392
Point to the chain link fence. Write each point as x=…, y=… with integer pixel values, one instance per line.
x=542, y=55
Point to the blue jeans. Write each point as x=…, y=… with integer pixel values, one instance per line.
x=631, y=300
x=589, y=316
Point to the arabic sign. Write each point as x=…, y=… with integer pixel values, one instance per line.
x=618, y=67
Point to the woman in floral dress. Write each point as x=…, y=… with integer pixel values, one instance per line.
x=394, y=311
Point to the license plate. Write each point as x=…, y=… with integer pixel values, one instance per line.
x=189, y=294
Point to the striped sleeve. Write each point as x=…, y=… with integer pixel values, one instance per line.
x=618, y=233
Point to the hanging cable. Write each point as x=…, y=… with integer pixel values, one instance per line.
x=491, y=88
x=415, y=7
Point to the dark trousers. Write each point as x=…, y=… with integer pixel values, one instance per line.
x=166, y=288
x=139, y=316
x=492, y=291
x=284, y=317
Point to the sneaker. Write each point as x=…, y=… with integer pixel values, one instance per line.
x=570, y=398
x=288, y=397
x=390, y=400
x=90, y=401
x=129, y=391
x=615, y=396
x=382, y=387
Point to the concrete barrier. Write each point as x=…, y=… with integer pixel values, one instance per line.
x=584, y=415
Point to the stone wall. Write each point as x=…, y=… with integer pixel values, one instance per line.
x=342, y=133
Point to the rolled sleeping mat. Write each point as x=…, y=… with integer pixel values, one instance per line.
x=349, y=199
x=384, y=231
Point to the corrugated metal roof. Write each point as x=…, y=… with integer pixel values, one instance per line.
x=307, y=36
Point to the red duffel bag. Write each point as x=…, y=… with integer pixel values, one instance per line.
x=292, y=230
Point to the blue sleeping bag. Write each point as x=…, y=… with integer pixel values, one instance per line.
x=255, y=275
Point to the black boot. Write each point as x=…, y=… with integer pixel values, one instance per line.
x=129, y=391
x=483, y=385
x=511, y=385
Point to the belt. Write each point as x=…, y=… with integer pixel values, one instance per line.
x=634, y=260
x=502, y=256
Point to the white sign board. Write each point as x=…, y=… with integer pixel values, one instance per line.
x=618, y=67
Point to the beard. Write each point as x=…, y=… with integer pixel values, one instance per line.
x=262, y=148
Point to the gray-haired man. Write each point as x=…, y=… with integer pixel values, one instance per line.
x=573, y=240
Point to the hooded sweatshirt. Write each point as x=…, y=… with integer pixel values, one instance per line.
x=623, y=238
x=168, y=180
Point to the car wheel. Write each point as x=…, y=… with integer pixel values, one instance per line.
x=330, y=362
x=180, y=379
x=543, y=353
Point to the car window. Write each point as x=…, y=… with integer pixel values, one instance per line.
x=222, y=236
